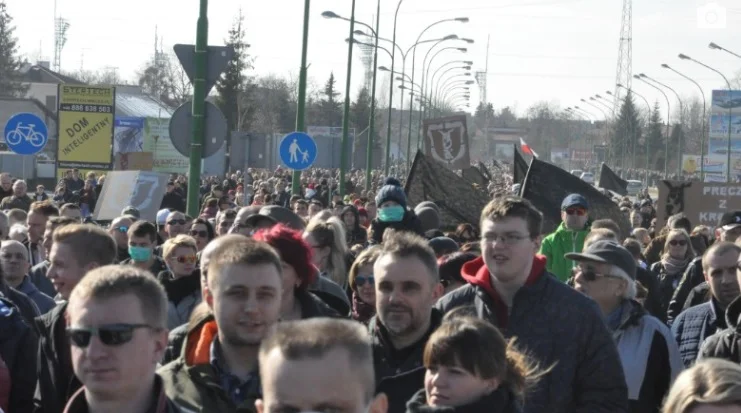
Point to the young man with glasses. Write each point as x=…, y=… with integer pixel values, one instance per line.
x=117, y=332
x=560, y=328
x=568, y=237
x=76, y=249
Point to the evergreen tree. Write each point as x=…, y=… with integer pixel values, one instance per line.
x=330, y=106
x=235, y=88
x=676, y=140
x=626, y=133
x=656, y=147
x=484, y=114
x=360, y=111
x=10, y=64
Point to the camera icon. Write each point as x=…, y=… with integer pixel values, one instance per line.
x=711, y=16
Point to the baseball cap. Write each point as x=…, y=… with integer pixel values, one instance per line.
x=162, y=215
x=730, y=220
x=130, y=210
x=607, y=252
x=574, y=200
x=277, y=214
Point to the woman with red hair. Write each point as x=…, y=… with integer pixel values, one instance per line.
x=299, y=273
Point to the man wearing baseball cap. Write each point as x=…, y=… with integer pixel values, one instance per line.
x=729, y=229
x=606, y=272
x=568, y=237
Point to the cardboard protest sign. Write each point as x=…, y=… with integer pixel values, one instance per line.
x=703, y=203
x=143, y=190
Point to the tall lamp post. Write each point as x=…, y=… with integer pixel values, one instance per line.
x=301, y=104
x=716, y=47
x=668, y=123
x=704, y=118
x=681, y=114
x=728, y=166
x=391, y=96
x=425, y=75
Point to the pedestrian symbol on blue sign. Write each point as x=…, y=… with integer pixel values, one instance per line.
x=297, y=150
x=26, y=134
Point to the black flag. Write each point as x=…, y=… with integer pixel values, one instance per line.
x=547, y=185
x=519, y=168
x=457, y=200
x=610, y=180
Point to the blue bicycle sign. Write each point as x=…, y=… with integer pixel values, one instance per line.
x=26, y=134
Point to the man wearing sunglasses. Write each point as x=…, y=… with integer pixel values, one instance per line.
x=117, y=333
x=510, y=287
x=176, y=224
x=217, y=371
x=118, y=230
x=568, y=237
x=76, y=250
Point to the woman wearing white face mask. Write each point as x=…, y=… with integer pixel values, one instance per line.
x=471, y=368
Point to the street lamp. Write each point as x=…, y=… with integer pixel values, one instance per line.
x=716, y=47
x=424, y=79
x=436, y=89
x=594, y=99
x=450, y=81
x=414, y=55
x=681, y=115
x=595, y=106
x=704, y=129
x=685, y=57
x=668, y=122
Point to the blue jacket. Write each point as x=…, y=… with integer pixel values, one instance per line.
x=693, y=325
x=43, y=301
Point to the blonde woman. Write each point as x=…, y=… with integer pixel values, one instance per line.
x=675, y=258
x=182, y=279
x=363, y=285
x=327, y=241
x=710, y=386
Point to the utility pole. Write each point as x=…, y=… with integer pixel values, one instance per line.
x=199, y=109
x=301, y=104
x=371, y=127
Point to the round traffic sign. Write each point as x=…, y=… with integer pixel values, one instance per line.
x=26, y=134
x=298, y=150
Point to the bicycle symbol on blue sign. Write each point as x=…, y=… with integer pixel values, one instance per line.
x=26, y=134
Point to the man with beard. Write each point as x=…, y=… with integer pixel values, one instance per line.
x=560, y=328
x=407, y=285
x=692, y=288
x=217, y=370
x=694, y=324
x=568, y=237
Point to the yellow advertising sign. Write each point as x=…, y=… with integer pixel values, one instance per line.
x=85, y=128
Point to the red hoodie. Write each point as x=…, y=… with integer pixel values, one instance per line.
x=476, y=273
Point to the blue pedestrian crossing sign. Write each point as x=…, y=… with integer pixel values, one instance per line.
x=297, y=150
x=26, y=134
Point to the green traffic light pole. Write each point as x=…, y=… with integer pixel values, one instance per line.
x=198, y=109
x=301, y=104
x=346, y=115
x=371, y=127
x=728, y=168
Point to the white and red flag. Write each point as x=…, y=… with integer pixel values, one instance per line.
x=525, y=148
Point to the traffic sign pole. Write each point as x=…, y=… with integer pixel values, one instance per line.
x=346, y=116
x=371, y=128
x=301, y=104
x=199, y=98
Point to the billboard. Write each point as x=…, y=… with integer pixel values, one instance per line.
x=725, y=100
x=714, y=164
x=446, y=141
x=157, y=140
x=719, y=125
x=719, y=145
x=128, y=135
x=85, y=127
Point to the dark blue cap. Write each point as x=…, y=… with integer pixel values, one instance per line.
x=574, y=200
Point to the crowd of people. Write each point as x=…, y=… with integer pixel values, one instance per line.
x=272, y=302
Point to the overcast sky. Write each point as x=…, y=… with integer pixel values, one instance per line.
x=552, y=50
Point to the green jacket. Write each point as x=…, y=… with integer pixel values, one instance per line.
x=561, y=242
x=191, y=382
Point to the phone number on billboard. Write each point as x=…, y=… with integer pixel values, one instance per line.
x=86, y=108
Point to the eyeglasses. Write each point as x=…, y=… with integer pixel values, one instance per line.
x=110, y=334
x=507, y=239
x=676, y=242
x=202, y=234
x=589, y=274
x=576, y=211
x=186, y=259
x=122, y=229
x=176, y=222
x=360, y=280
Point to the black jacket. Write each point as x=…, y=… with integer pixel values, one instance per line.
x=692, y=277
x=500, y=401
x=562, y=328
x=160, y=402
x=56, y=379
x=312, y=306
x=694, y=325
x=652, y=302
x=18, y=344
x=410, y=223
x=357, y=234
x=38, y=278
x=668, y=284
x=28, y=309
x=173, y=201
x=725, y=344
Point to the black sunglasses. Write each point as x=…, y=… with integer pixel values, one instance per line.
x=176, y=222
x=109, y=334
x=592, y=275
x=360, y=281
x=202, y=234
x=676, y=242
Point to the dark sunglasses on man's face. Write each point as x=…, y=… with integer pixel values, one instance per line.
x=576, y=211
x=202, y=234
x=360, y=280
x=110, y=334
x=176, y=222
x=676, y=242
